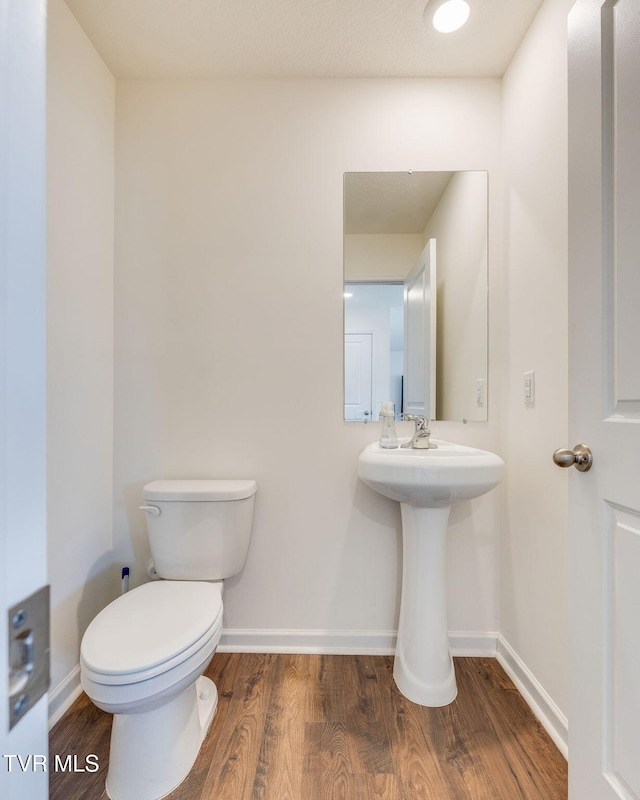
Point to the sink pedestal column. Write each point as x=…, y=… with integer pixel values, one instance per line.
x=423, y=667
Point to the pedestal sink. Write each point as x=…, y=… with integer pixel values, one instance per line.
x=426, y=483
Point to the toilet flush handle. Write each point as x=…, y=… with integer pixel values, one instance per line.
x=153, y=510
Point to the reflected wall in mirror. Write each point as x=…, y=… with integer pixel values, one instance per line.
x=415, y=294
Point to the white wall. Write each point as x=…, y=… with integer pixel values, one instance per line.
x=80, y=195
x=459, y=226
x=534, y=576
x=380, y=256
x=229, y=329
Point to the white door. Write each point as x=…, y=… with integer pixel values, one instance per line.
x=358, y=376
x=604, y=329
x=22, y=369
x=420, y=335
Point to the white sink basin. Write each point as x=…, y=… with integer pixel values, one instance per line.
x=430, y=478
x=426, y=483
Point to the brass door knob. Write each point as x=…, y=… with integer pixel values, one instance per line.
x=580, y=457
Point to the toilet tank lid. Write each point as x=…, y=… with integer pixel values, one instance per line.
x=199, y=490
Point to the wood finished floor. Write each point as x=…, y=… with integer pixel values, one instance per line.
x=320, y=727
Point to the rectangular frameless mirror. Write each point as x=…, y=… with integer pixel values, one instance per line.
x=415, y=294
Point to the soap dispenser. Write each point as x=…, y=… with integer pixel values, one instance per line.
x=388, y=439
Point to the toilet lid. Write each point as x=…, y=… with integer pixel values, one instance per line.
x=151, y=625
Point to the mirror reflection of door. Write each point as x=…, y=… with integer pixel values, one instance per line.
x=357, y=376
x=420, y=335
x=376, y=310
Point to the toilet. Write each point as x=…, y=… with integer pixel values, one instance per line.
x=142, y=657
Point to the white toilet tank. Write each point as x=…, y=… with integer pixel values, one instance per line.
x=199, y=529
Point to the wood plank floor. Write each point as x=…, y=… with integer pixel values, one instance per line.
x=319, y=727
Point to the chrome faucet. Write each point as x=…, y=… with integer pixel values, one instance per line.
x=420, y=438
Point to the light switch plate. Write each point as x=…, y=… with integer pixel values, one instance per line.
x=530, y=388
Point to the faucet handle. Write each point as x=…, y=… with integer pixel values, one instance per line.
x=422, y=422
x=420, y=438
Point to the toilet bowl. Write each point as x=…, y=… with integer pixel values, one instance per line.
x=142, y=658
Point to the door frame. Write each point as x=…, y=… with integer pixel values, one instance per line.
x=23, y=542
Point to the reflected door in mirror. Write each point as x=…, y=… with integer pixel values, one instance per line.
x=420, y=335
x=375, y=309
x=357, y=376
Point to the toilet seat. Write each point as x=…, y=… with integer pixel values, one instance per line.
x=151, y=630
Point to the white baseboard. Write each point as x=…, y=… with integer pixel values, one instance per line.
x=547, y=712
x=291, y=640
x=473, y=643
x=374, y=643
x=63, y=696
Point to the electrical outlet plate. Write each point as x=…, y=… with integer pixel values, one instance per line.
x=29, y=665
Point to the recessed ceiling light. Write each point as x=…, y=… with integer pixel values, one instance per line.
x=449, y=16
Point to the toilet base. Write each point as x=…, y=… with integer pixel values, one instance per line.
x=153, y=752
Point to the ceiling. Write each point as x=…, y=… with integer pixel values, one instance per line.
x=391, y=202
x=299, y=38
